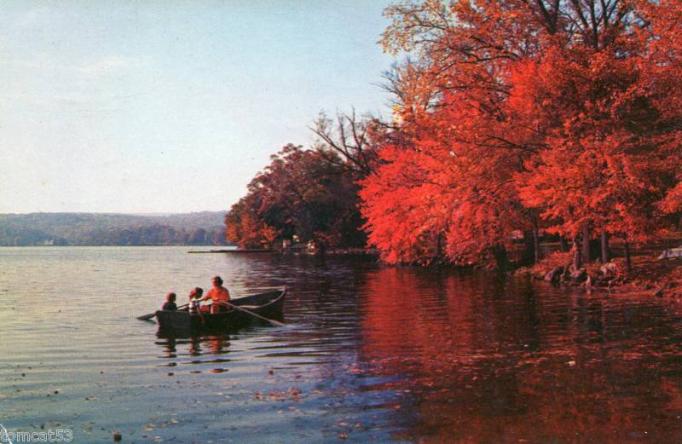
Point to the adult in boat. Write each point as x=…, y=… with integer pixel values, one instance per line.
x=219, y=295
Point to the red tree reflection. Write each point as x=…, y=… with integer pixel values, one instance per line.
x=476, y=359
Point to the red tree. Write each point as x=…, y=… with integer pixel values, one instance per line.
x=515, y=108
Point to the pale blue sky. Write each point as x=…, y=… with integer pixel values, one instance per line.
x=170, y=106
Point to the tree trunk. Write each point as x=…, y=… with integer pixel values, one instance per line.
x=536, y=245
x=577, y=256
x=440, y=255
x=563, y=245
x=604, y=247
x=586, y=243
x=628, y=261
x=529, y=254
x=501, y=258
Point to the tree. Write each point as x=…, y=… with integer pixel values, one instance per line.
x=348, y=142
x=245, y=227
x=612, y=137
x=301, y=193
x=514, y=109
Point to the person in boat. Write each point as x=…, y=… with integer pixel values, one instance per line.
x=170, y=302
x=218, y=295
x=195, y=300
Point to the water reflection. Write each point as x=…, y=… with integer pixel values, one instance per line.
x=370, y=354
x=195, y=345
x=487, y=360
x=447, y=356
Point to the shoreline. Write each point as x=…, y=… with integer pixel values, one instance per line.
x=330, y=252
x=648, y=277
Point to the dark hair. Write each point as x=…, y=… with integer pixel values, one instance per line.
x=170, y=297
x=218, y=279
x=196, y=292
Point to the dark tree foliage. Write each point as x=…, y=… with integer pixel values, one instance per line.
x=306, y=194
x=110, y=229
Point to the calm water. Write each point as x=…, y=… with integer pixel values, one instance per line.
x=370, y=353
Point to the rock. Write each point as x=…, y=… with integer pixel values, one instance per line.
x=608, y=270
x=554, y=276
x=525, y=272
x=578, y=275
x=671, y=253
x=567, y=273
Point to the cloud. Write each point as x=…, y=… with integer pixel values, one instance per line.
x=107, y=65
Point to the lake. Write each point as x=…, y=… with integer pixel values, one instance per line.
x=370, y=353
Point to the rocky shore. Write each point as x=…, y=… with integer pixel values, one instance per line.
x=648, y=276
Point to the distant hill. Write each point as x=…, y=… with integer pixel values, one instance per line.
x=201, y=228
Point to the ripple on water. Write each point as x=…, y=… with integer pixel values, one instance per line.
x=371, y=353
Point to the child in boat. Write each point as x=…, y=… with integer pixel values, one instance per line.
x=170, y=302
x=195, y=300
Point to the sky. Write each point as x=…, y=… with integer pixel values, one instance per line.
x=171, y=106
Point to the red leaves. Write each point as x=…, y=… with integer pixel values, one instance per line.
x=528, y=114
x=302, y=193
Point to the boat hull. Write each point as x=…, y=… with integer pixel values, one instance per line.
x=268, y=305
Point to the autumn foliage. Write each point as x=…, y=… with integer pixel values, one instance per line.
x=302, y=194
x=511, y=119
x=521, y=115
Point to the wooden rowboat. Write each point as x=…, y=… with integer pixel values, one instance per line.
x=268, y=305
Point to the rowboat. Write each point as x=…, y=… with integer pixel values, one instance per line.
x=267, y=305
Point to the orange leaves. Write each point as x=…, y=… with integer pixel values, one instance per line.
x=399, y=201
x=673, y=200
x=602, y=164
x=533, y=110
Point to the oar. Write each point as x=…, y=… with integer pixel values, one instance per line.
x=151, y=315
x=237, y=307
